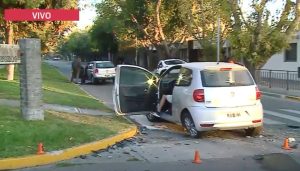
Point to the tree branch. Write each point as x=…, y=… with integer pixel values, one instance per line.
x=295, y=23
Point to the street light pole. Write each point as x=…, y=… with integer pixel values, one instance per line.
x=218, y=41
x=136, y=50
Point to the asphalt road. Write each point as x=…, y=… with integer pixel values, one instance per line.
x=164, y=146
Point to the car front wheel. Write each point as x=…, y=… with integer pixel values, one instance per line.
x=151, y=117
x=94, y=80
x=189, y=124
x=253, y=131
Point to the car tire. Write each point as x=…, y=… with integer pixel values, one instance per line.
x=188, y=123
x=151, y=117
x=253, y=131
x=94, y=80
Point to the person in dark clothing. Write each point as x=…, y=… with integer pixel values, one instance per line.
x=76, y=66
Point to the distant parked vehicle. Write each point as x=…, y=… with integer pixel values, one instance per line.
x=100, y=71
x=56, y=59
x=163, y=65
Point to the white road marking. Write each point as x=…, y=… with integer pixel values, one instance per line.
x=292, y=111
x=272, y=122
x=280, y=115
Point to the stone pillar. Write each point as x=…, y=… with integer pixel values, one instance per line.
x=31, y=79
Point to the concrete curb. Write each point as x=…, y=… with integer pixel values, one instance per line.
x=281, y=96
x=36, y=160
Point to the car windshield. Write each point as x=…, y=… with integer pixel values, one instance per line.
x=226, y=78
x=174, y=62
x=105, y=65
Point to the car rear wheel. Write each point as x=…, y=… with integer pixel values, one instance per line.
x=253, y=131
x=189, y=124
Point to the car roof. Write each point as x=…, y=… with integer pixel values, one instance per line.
x=206, y=65
x=100, y=61
x=172, y=59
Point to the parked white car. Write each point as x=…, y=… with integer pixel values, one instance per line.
x=206, y=96
x=100, y=71
x=163, y=65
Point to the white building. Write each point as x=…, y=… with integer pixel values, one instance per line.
x=288, y=59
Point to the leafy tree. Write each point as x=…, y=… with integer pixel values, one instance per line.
x=258, y=36
x=48, y=32
x=153, y=23
x=103, y=36
x=254, y=37
x=201, y=20
x=79, y=44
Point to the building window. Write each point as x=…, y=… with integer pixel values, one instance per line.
x=291, y=53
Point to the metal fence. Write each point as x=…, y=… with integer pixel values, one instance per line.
x=288, y=80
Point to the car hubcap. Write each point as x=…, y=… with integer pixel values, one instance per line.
x=190, y=126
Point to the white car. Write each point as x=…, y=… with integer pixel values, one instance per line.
x=163, y=65
x=206, y=96
x=100, y=71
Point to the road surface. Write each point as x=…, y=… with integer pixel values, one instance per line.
x=164, y=146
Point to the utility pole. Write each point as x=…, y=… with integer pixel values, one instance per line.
x=218, y=41
x=136, y=50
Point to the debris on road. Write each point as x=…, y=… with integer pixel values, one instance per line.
x=82, y=156
x=258, y=157
x=292, y=140
x=126, y=152
x=293, y=126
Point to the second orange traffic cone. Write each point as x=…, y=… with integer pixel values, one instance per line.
x=40, y=149
x=197, y=159
x=285, y=145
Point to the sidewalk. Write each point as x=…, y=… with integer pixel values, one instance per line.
x=280, y=93
x=59, y=108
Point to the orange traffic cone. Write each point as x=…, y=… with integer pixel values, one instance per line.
x=40, y=149
x=197, y=159
x=285, y=145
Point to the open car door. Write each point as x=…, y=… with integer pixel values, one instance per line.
x=135, y=90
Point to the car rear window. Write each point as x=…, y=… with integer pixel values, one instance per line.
x=174, y=62
x=226, y=78
x=105, y=65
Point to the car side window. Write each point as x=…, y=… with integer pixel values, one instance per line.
x=135, y=76
x=185, y=77
x=171, y=75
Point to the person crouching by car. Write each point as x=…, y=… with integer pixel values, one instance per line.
x=76, y=66
x=231, y=60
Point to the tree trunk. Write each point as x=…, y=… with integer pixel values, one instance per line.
x=160, y=29
x=251, y=68
x=9, y=40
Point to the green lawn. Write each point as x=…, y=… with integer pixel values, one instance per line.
x=57, y=131
x=56, y=90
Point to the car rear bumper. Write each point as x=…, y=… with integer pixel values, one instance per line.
x=227, y=118
x=104, y=77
